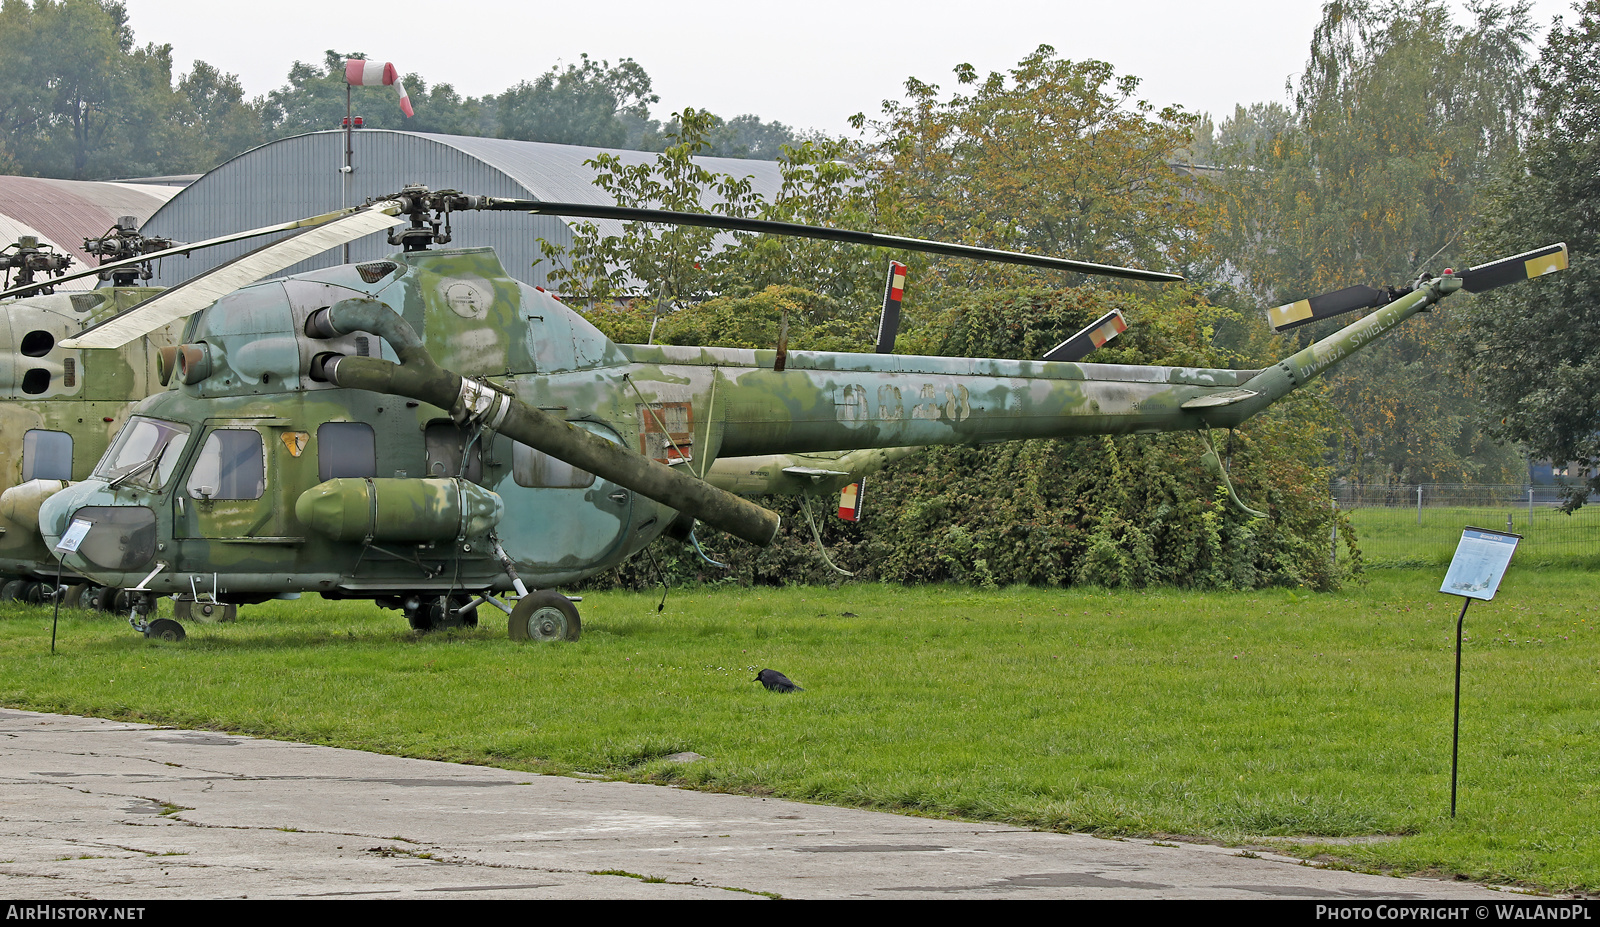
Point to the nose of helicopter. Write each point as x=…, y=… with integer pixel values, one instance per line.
x=55, y=514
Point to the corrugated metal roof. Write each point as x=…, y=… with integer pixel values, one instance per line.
x=65, y=212
x=299, y=176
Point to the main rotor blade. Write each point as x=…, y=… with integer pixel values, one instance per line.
x=181, y=249
x=200, y=291
x=1524, y=266
x=1099, y=332
x=766, y=227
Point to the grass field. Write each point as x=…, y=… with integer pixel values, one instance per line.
x=1390, y=536
x=1223, y=716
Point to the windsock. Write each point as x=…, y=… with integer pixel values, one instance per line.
x=359, y=72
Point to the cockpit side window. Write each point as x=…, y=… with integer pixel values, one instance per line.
x=232, y=464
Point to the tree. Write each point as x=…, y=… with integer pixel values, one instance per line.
x=589, y=103
x=1399, y=117
x=1536, y=347
x=1055, y=156
x=668, y=263
x=216, y=120
x=740, y=137
x=82, y=100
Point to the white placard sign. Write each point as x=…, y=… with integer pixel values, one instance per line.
x=74, y=536
x=1480, y=562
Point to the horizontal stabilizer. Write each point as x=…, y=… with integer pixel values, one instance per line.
x=1224, y=398
x=817, y=474
x=1525, y=266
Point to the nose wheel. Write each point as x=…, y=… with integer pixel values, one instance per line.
x=165, y=629
x=439, y=612
x=545, y=615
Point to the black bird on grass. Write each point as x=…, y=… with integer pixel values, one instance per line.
x=776, y=681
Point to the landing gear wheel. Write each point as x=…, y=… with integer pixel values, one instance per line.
x=206, y=612
x=545, y=615
x=418, y=613
x=73, y=597
x=35, y=593
x=444, y=612
x=11, y=591
x=165, y=629
x=102, y=598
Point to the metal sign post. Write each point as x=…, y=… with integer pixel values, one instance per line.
x=1475, y=573
x=68, y=544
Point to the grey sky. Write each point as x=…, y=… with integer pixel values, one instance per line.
x=810, y=65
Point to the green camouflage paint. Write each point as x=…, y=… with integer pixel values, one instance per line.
x=477, y=339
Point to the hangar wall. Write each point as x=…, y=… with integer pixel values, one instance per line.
x=299, y=176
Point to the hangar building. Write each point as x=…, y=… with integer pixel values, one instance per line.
x=65, y=212
x=301, y=176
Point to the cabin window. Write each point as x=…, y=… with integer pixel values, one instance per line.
x=232, y=465
x=346, y=449
x=37, y=343
x=36, y=381
x=538, y=470
x=46, y=455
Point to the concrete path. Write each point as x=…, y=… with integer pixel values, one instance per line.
x=94, y=809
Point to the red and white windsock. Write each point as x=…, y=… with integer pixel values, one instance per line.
x=359, y=72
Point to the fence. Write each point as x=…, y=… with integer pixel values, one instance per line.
x=1422, y=523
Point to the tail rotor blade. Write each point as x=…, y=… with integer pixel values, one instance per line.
x=1328, y=305
x=1525, y=266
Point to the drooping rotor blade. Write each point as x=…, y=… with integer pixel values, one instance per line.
x=1099, y=332
x=767, y=227
x=183, y=249
x=1328, y=305
x=1524, y=266
x=198, y=292
x=894, y=291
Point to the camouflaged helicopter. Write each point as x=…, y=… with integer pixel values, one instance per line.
x=429, y=433
x=60, y=407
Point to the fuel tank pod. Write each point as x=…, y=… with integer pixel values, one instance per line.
x=20, y=504
x=378, y=509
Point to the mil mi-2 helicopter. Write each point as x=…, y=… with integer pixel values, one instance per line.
x=58, y=407
x=427, y=432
